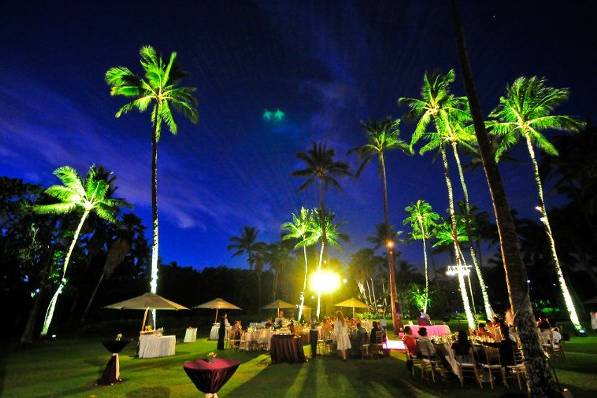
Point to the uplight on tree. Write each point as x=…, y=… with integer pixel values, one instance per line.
x=324, y=281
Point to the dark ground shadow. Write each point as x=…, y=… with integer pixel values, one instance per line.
x=149, y=392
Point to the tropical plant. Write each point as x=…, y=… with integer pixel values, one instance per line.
x=422, y=220
x=75, y=194
x=438, y=106
x=540, y=381
x=383, y=136
x=302, y=230
x=246, y=243
x=525, y=112
x=160, y=89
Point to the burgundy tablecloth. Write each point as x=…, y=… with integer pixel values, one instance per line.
x=209, y=377
x=286, y=348
x=115, y=346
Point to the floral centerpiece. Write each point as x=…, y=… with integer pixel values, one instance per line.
x=211, y=356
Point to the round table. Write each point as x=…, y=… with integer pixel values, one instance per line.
x=286, y=348
x=111, y=373
x=210, y=376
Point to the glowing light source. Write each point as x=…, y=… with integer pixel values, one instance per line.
x=325, y=281
x=390, y=244
x=273, y=116
x=455, y=269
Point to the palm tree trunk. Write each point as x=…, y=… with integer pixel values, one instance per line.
x=319, y=269
x=539, y=381
x=552, y=244
x=467, y=207
x=54, y=300
x=426, y=268
x=396, y=317
x=300, y=313
x=459, y=263
x=92, y=297
x=153, y=284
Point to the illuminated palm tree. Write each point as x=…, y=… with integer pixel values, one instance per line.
x=246, y=243
x=89, y=195
x=383, y=136
x=422, y=220
x=323, y=169
x=160, y=89
x=540, y=381
x=524, y=113
x=302, y=230
x=439, y=106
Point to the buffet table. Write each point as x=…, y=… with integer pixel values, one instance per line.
x=286, y=348
x=434, y=330
x=213, y=334
x=210, y=376
x=190, y=335
x=153, y=346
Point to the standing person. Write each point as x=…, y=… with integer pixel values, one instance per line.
x=424, y=319
x=222, y=332
x=313, y=337
x=341, y=332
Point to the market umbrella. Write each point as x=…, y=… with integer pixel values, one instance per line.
x=276, y=305
x=354, y=303
x=147, y=301
x=218, y=304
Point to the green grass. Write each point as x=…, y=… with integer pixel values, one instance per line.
x=69, y=369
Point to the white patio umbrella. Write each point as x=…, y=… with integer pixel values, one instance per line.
x=218, y=304
x=147, y=301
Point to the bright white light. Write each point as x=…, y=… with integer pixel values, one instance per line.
x=324, y=281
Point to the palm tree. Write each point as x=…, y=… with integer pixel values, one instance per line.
x=524, y=113
x=246, y=243
x=301, y=229
x=333, y=237
x=422, y=220
x=323, y=169
x=439, y=106
x=464, y=136
x=540, y=380
x=159, y=88
x=383, y=136
x=89, y=195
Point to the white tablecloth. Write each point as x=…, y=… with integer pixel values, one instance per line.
x=151, y=346
x=435, y=330
x=213, y=334
x=260, y=336
x=190, y=335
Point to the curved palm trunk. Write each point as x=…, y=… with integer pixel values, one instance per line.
x=425, y=262
x=319, y=269
x=467, y=207
x=52, y=305
x=552, y=244
x=92, y=297
x=459, y=263
x=302, y=304
x=324, y=240
x=395, y=304
x=540, y=381
x=153, y=284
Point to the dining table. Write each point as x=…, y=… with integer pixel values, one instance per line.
x=286, y=348
x=209, y=376
x=111, y=373
x=154, y=346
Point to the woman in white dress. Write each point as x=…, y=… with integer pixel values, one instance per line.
x=341, y=332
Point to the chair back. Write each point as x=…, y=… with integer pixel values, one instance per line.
x=492, y=356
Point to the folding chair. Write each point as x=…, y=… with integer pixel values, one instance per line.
x=493, y=365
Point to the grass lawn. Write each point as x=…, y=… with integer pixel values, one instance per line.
x=68, y=369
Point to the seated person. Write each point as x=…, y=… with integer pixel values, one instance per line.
x=462, y=348
x=557, y=336
x=279, y=322
x=237, y=330
x=410, y=341
x=425, y=348
x=506, y=346
x=373, y=339
x=543, y=323
x=424, y=319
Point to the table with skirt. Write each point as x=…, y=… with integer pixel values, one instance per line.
x=210, y=376
x=286, y=348
x=434, y=330
x=154, y=346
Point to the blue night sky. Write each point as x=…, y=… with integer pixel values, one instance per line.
x=327, y=64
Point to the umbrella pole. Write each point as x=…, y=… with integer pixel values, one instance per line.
x=144, y=319
x=216, y=321
x=353, y=311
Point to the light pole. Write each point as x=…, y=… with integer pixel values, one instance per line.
x=464, y=271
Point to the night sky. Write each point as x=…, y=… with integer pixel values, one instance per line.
x=327, y=64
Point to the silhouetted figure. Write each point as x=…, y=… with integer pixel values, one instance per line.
x=222, y=333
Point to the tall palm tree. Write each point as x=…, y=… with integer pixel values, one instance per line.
x=322, y=169
x=439, y=106
x=463, y=135
x=333, y=237
x=384, y=136
x=246, y=243
x=160, y=89
x=524, y=113
x=540, y=381
x=302, y=230
x=75, y=194
x=422, y=220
